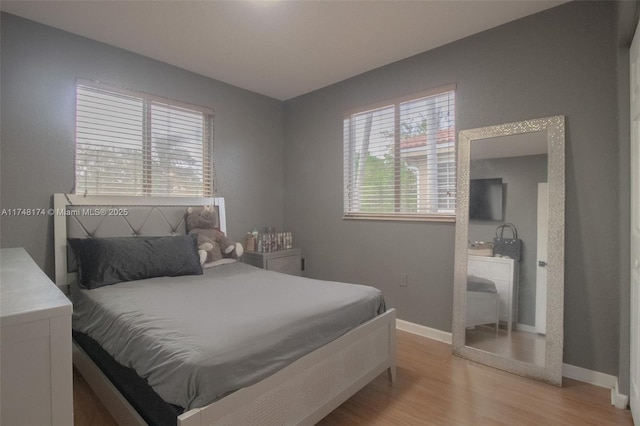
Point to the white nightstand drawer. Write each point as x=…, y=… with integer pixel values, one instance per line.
x=285, y=261
x=286, y=265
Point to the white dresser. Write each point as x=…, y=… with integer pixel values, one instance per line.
x=35, y=345
x=504, y=273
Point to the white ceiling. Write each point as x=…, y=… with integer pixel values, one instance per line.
x=280, y=49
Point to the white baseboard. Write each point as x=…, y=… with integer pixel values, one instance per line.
x=525, y=327
x=424, y=331
x=598, y=379
x=619, y=400
x=570, y=371
x=589, y=376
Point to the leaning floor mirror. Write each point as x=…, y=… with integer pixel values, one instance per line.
x=509, y=248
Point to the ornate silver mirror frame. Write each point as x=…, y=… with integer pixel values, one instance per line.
x=551, y=371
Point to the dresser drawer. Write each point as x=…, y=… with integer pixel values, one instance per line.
x=286, y=265
x=285, y=261
x=492, y=270
x=503, y=272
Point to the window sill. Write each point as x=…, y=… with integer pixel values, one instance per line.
x=401, y=218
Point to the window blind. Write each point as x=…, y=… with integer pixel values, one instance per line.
x=132, y=143
x=399, y=158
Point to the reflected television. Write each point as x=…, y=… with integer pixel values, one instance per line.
x=485, y=199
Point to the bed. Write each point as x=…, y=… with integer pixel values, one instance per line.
x=304, y=385
x=483, y=302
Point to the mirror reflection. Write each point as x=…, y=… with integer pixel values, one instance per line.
x=509, y=288
x=507, y=233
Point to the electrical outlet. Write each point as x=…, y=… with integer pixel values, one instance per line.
x=404, y=279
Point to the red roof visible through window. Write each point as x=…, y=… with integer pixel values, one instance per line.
x=443, y=136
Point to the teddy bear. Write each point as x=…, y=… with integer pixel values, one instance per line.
x=213, y=245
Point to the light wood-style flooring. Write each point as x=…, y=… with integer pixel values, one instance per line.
x=521, y=345
x=435, y=388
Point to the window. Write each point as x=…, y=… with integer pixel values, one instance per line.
x=400, y=159
x=131, y=143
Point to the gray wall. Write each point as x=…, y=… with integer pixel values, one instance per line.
x=559, y=62
x=520, y=178
x=39, y=66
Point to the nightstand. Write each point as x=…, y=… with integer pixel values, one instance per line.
x=286, y=261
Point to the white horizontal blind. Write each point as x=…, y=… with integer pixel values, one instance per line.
x=131, y=143
x=399, y=159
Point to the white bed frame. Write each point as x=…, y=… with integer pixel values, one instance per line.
x=300, y=394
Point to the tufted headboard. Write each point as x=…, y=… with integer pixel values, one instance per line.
x=76, y=216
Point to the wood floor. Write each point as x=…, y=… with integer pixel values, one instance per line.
x=435, y=388
x=521, y=345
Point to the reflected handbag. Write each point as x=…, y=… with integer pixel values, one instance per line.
x=507, y=247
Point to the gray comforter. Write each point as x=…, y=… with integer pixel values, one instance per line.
x=198, y=338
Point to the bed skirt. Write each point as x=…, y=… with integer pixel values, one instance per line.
x=140, y=395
